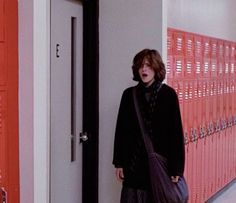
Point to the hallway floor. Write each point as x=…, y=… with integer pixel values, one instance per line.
x=228, y=195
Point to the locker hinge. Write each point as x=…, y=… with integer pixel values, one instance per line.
x=3, y=195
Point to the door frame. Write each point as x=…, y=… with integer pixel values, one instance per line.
x=90, y=100
x=41, y=95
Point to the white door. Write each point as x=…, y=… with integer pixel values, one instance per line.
x=66, y=101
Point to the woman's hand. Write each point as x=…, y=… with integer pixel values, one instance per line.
x=119, y=174
x=175, y=179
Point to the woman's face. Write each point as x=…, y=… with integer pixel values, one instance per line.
x=146, y=73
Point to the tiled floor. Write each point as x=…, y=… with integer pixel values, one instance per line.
x=228, y=195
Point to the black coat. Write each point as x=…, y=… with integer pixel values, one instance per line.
x=167, y=138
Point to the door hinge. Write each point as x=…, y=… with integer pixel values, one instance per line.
x=3, y=195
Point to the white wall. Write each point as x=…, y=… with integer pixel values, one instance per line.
x=215, y=18
x=34, y=74
x=126, y=27
x=26, y=100
x=41, y=79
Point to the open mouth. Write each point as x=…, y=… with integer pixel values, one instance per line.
x=144, y=74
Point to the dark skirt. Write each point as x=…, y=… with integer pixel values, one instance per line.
x=130, y=195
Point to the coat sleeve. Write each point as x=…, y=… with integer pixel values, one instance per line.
x=118, y=153
x=177, y=149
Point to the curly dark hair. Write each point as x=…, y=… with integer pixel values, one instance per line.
x=155, y=60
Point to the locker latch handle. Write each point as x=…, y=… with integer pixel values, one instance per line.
x=230, y=121
x=218, y=128
x=3, y=195
x=186, y=140
x=210, y=128
x=223, y=124
x=202, y=132
x=234, y=120
x=194, y=135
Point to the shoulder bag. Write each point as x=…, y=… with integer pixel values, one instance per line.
x=163, y=189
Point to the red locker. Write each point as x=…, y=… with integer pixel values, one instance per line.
x=198, y=68
x=212, y=93
x=3, y=142
x=206, y=47
x=3, y=69
x=2, y=21
x=189, y=45
x=222, y=182
x=178, y=67
x=178, y=43
x=189, y=72
x=185, y=115
x=220, y=49
x=227, y=49
x=213, y=69
x=185, y=120
x=227, y=69
x=232, y=51
x=213, y=47
x=202, y=70
x=231, y=69
x=198, y=47
x=206, y=68
x=203, y=101
x=169, y=68
x=9, y=139
x=170, y=42
x=220, y=70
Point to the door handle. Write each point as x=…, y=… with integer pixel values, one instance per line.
x=3, y=195
x=83, y=136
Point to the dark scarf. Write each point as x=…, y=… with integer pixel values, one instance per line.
x=147, y=99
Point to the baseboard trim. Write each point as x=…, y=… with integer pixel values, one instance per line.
x=221, y=191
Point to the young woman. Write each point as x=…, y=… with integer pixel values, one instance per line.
x=161, y=114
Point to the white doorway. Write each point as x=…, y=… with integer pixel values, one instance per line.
x=66, y=101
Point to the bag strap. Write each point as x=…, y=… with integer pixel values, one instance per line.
x=146, y=138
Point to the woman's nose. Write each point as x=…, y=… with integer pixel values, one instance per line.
x=143, y=67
